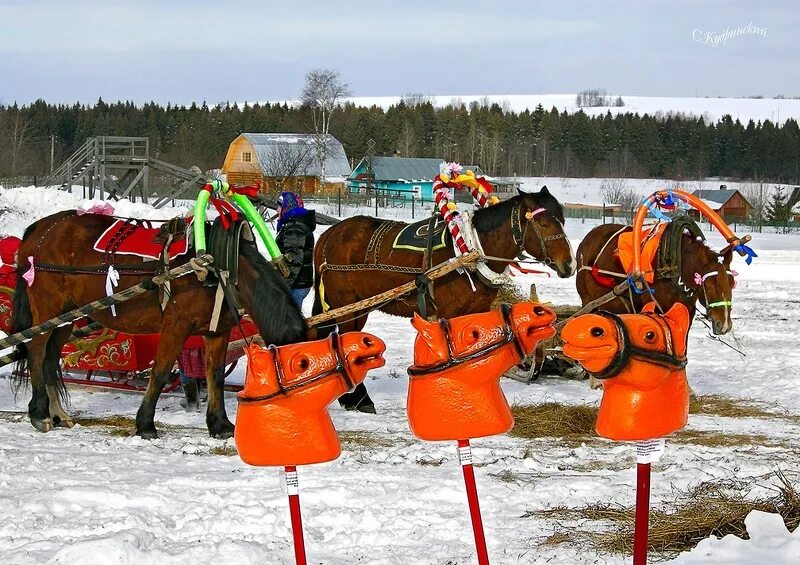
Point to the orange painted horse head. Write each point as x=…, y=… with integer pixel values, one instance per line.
x=454, y=390
x=641, y=360
x=283, y=417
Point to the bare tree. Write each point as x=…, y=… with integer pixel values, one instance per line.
x=18, y=137
x=592, y=97
x=323, y=92
x=285, y=160
x=414, y=99
x=407, y=140
x=617, y=191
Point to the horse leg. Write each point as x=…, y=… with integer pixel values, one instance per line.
x=39, y=405
x=219, y=426
x=359, y=399
x=169, y=346
x=58, y=416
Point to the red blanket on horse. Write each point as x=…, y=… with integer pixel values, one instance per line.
x=124, y=238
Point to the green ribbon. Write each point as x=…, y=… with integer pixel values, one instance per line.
x=718, y=304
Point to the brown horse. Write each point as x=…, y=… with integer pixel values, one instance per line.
x=675, y=282
x=529, y=223
x=70, y=273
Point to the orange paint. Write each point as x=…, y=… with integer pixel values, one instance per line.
x=641, y=359
x=454, y=390
x=283, y=416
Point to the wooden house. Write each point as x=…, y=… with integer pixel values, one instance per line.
x=730, y=204
x=411, y=177
x=285, y=161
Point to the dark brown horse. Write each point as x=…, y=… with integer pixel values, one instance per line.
x=676, y=278
x=529, y=223
x=70, y=273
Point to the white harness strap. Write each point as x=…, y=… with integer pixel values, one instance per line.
x=473, y=241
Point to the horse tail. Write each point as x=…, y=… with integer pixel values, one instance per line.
x=21, y=319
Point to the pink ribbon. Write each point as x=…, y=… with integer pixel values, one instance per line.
x=698, y=280
x=30, y=273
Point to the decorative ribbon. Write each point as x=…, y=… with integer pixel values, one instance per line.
x=112, y=278
x=746, y=251
x=30, y=274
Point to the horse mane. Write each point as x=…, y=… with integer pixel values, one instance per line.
x=492, y=217
x=274, y=311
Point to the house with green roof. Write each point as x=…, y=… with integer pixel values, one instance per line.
x=409, y=177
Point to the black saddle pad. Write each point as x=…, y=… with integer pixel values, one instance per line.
x=414, y=237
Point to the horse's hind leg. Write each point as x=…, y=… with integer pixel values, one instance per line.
x=39, y=405
x=169, y=346
x=359, y=399
x=58, y=416
x=219, y=426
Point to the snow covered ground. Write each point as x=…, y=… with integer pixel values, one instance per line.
x=96, y=495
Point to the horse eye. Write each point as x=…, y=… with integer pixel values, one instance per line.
x=597, y=332
x=475, y=334
x=650, y=336
x=303, y=363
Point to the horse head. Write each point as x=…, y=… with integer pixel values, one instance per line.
x=641, y=360
x=454, y=391
x=538, y=226
x=711, y=276
x=282, y=417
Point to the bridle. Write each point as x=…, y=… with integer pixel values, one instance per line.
x=454, y=360
x=519, y=230
x=700, y=280
x=627, y=350
x=284, y=389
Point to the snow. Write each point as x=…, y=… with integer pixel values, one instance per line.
x=92, y=496
x=777, y=110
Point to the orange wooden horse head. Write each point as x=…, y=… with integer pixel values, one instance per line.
x=283, y=417
x=454, y=390
x=641, y=359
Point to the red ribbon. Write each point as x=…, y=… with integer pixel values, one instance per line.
x=601, y=279
x=227, y=211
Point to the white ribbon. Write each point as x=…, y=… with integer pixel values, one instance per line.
x=112, y=278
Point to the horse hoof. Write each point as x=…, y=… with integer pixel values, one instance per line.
x=63, y=422
x=222, y=431
x=223, y=435
x=147, y=434
x=366, y=408
x=42, y=425
x=190, y=406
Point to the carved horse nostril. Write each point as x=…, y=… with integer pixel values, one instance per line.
x=597, y=332
x=539, y=311
x=368, y=342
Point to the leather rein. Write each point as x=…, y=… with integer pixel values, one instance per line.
x=519, y=230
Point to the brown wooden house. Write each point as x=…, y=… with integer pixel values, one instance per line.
x=730, y=204
x=285, y=161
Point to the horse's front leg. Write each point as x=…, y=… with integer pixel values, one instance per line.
x=169, y=346
x=219, y=426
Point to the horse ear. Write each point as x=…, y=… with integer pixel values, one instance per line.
x=419, y=323
x=544, y=190
x=678, y=321
x=519, y=191
x=649, y=308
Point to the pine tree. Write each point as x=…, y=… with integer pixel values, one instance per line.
x=778, y=207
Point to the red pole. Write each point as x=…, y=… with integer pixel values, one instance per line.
x=465, y=455
x=293, y=490
x=642, y=522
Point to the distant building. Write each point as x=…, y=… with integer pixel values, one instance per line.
x=730, y=204
x=285, y=161
x=412, y=176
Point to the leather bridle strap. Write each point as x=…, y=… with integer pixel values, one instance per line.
x=518, y=231
x=454, y=360
x=285, y=389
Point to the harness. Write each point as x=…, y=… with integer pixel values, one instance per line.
x=454, y=360
x=700, y=280
x=518, y=231
x=627, y=350
x=284, y=389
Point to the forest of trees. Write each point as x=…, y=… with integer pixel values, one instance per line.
x=501, y=142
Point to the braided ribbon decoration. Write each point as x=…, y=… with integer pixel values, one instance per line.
x=451, y=176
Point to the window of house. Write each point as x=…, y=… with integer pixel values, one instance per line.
x=247, y=156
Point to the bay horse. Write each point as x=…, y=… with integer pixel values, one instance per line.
x=355, y=259
x=69, y=273
x=694, y=274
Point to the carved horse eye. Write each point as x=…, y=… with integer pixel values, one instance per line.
x=597, y=332
x=539, y=310
x=650, y=336
x=300, y=363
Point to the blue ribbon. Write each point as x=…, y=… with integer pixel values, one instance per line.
x=747, y=251
x=657, y=213
x=669, y=200
x=635, y=289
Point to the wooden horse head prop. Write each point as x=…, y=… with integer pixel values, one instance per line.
x=283, y=417
x=641, y=359
x=454, y=390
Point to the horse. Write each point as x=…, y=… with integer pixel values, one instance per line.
x=686, y=271
x=356, y=259
x=70, y=273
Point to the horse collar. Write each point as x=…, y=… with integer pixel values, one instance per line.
x=627, y=350
x=454, y=360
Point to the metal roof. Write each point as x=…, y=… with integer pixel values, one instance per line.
x=719, y=196
x=403, y=168
x=265, y=144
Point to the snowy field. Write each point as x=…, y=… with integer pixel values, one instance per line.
x=96, y=495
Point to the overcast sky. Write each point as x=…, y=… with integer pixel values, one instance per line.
x=181, y=51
